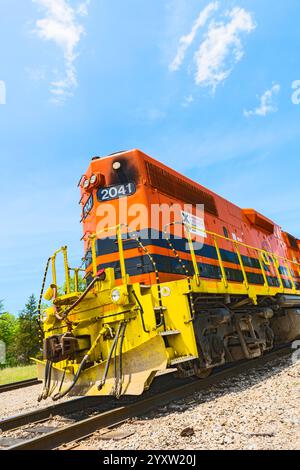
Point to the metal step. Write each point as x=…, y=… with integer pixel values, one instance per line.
x=170, y=333
x=144, y=287
x=180, y=360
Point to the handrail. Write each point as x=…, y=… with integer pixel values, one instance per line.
x=241, y=264
x=64, y=251
x=67, y=269
x=264, y=257
x=93, y=239
x=221, y=264
x=243, y=244
x=190, y=242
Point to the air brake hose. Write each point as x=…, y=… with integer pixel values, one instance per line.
x=47, y=382
x=60, y=395
x=41, y=396
x=102, y=383
x=119, y=384
x=83, y=362
x=81, y=298
x=141, y=311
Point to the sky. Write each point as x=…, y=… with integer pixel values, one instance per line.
x=209, y=88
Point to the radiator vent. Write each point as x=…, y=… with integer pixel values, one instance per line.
x=259, y=221
x=177, y=188
x=292, y=241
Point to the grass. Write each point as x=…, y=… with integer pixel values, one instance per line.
x=16, y=374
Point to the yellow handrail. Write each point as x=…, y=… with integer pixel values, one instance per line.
x=277, y=266
x=64, y=251
x=94, y=237
x=207, y=232
x=263, y=258
x=241, y=264
x=194, y=260
x=67, y=269
x=221, y=264
x=290, y=277
x=262, y=268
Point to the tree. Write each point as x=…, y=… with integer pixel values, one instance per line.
x=81, y=285
x=27, y=340
x=8, y=331
x=1, y=308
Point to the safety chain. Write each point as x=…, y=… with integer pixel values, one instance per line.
x=41, y=332
x=134, y=236
x=185, y=269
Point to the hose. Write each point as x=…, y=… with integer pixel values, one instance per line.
x=60, y=395
x=119, y=384
x=41, y=396
x=141, y=310
x=104, y=378
x=83, y=362
x=78, y=301
x=47, y=382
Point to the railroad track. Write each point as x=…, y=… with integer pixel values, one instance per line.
x=19, y=385
x=120, y=412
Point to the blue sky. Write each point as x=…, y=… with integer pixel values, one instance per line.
x=206, y=87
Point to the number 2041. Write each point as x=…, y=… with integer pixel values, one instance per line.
x=115, y=192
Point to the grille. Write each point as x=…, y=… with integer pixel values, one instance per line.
x=292, y=241
x=175, y=187
x=265, y=225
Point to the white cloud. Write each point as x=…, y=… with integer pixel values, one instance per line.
x=222, y=48
x=150, y=114
x=83, y=8
x=186, y=41
x=35, y=74
x=61, y=26
x=266, y=103
x=188, y=100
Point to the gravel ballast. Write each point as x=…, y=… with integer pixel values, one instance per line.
x=22, y=401
x=259, y=409
x=252, y=411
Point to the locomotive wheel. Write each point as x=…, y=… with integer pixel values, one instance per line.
x=202, y=373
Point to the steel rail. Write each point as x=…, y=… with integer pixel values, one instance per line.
x=19, y=385
x=85, y=428
x=43, y=414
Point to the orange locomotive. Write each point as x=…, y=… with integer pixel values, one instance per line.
x=147, y=182
x=176, y=276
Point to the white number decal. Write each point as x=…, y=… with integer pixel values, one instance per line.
x=115, y=192
x=105, y=195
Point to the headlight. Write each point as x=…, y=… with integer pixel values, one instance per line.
x=93, y=179
x=115, y=296
x=117, y=166
x=86, y=184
